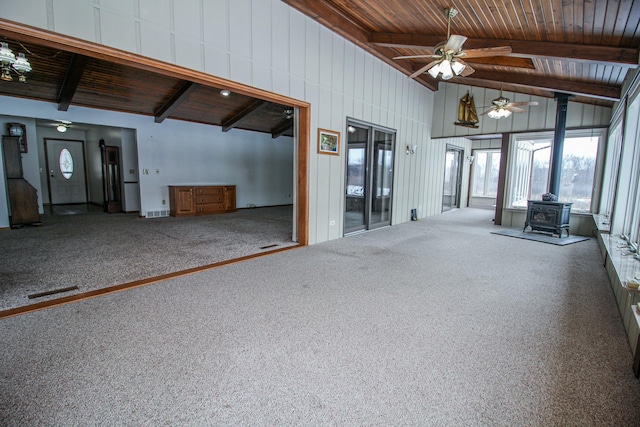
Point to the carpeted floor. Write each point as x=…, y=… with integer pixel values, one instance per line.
x=430, y=323
x=93, y=251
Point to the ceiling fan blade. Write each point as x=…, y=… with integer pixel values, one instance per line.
x=454, y=43
x=468, y=70
x=425, y=68
x=416, y=56
x=521, y=104
x=486, y=51
x=488, y=111
x=514, y=109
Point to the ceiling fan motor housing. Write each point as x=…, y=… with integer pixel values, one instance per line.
x=501, y=101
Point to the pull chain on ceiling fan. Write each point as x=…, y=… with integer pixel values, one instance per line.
x=447, y=56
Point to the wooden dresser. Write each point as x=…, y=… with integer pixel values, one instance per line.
x=187, y=200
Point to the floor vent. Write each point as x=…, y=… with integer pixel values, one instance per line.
x=268, y=246
x=53, y=292
x=156, y=214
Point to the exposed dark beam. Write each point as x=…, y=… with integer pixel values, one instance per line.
x=181, y=95
x=232, y=121
x=71, y=80
x=281, y=128
x=480, y=77
x=601, y=54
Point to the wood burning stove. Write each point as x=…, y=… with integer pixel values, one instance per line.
x=549, y=217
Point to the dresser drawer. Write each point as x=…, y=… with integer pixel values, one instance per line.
x=209, y=198
x=209, y=208
x=209, y=190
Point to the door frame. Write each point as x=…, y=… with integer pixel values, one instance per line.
x=302, y=122
x=369, y=157
x=48, y=168
x=460, y=153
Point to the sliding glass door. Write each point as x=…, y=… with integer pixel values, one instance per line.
x=369, y=183
x=452, y=179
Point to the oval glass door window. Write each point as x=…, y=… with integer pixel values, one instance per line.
x=66, y=163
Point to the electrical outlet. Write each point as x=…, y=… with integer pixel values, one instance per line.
x=332, y=223
x=163, y=202
x=145, y=171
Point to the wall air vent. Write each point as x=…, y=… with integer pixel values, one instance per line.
x=157, y=214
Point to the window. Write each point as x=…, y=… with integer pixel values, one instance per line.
x=486, y=166
x=66, y=163
x=530, y=167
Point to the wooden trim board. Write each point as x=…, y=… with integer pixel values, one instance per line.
x=131, y=285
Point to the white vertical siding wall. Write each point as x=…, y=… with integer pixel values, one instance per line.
x=538, y=117
x=269, y=45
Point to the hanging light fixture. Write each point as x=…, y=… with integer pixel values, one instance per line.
x=63, y=126
x=9, y=63
x=449, y=67
x=499, y=113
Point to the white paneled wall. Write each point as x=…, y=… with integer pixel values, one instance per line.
x=536, y=117
x=486, y=144
x=268, y=45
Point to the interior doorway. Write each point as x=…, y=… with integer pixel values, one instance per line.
x=66, y=176
x=452, y=178
x=369, y=183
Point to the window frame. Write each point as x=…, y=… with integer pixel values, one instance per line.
x=599, y=132
x=490, y=153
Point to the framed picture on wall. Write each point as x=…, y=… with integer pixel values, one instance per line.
x=328, y=142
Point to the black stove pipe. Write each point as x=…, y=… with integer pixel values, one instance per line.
x=558, y=142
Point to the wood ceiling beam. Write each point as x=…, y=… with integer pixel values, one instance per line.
x=235, y=119
x=179, y=97
x=281, y=128
x=578, y=52
x=71, y=80
x=480, y=78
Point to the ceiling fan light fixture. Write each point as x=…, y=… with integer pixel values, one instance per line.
x=499, y=113
x=445, y=69
x=434, y=71
x=457, y=67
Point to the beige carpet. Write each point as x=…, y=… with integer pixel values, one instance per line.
x=430, y=323
x=94, y=251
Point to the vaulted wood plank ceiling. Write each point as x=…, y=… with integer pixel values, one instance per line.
x=68, y=78
x=582, y=48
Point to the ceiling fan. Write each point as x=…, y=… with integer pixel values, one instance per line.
x=447, y=56
x=503, y=107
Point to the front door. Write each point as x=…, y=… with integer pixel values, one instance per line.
x=65, y=166
x=452, y=179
